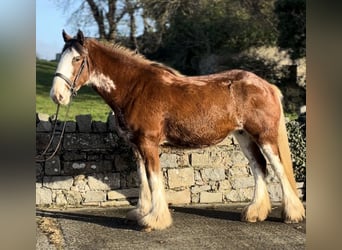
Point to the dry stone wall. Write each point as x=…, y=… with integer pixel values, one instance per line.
x=95, y=167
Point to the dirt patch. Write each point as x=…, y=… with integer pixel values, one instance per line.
x=51, y=229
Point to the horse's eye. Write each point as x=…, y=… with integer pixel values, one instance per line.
x=77, y=59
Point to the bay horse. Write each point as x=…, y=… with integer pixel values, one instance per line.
x=156, y=105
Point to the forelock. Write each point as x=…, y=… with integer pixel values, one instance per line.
x=73, y=43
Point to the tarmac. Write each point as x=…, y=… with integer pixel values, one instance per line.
x=194, y=227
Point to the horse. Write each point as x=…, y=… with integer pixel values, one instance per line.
x=155, y=105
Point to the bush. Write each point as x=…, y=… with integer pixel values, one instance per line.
x=268, y=62
x=297, y=139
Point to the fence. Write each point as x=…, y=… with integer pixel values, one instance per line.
x=95, y=167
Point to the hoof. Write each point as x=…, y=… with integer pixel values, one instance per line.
x=135, y=214
x=294, y=212
x=256, y=212
x=154, y=221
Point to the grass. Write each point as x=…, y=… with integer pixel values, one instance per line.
x=87, y=100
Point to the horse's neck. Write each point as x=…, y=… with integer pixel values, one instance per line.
x=111, y=77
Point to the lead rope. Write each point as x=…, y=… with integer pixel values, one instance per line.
x=52, y=135
x=72, y=86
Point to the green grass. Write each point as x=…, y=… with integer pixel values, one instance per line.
x=87, y=100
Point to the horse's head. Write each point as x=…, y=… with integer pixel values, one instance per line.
x=72, y=70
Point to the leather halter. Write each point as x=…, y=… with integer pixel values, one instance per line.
x=70, y=84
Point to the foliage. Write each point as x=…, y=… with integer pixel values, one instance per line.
x=297, y=140
x=213, y=27
x=301, y=71
x=292, y=29
x=183, y=32
x=268, y=62
x=86, y=102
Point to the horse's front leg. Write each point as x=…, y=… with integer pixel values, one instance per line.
x=144, y=202
x=159, y=216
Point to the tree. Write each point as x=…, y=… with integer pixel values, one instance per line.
x=207, y=27
x=291, y=26
x=106, y=15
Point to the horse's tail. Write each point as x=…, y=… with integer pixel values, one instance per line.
x=284, y=147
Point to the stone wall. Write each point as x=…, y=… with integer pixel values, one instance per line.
x=95, y=167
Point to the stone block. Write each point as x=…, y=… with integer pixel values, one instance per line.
x=241, y=195
x=198, y=189
x=239, y=159
x=70, y=127
x=224, y=185
x=213, y=174
x=43, y=126
x=178, y=197
x=88, y=167
x=275, y=192
x=111, y=122
x=207, y=197
x=94, y=196
x=93, y=157
x=88, y=141
x=99, y=127
x=226, y=141
x=199, y=159
x=236, y=172
x=242, y=182
x=73, y=156
x=39, y=169
x=195, y=198
x=168, y=160
x=83, y=123
x=60, y=198
x=80, y=184
x=132, y=179
x=216, y=159
x=104, y=182
x=73, y=198
x=42, y=117
x=121, y=162
x=53, y=166
x=182, y=177
x=58, y=182
x=115, y=203
x=123, y=194
x=42, y=141
x=43, y=196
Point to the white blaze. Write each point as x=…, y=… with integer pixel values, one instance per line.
x=60, y=93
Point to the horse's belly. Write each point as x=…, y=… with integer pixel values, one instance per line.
x=196, y=134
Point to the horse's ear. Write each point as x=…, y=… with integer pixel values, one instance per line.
x=66, y=37
x=80, y=37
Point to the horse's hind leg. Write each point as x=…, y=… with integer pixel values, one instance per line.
x=260, y=206
x=293, y=208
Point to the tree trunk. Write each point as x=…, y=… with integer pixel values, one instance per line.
x=132, y=25
x=98, y=16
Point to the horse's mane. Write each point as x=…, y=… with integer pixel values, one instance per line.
x=118, y=48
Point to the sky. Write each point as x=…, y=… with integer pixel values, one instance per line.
x=50, y=21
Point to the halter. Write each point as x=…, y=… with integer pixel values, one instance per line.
x=72, y=85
